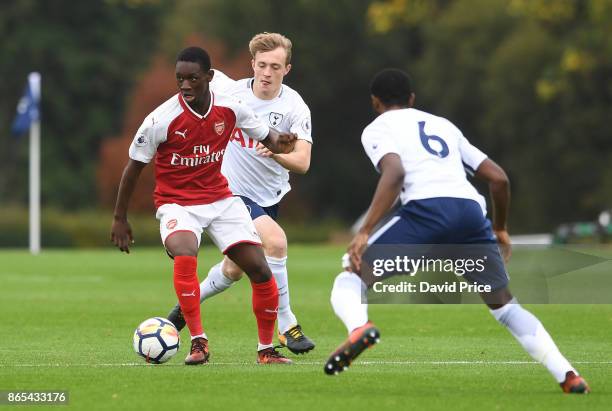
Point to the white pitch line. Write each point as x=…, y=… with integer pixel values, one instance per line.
x=142, y=364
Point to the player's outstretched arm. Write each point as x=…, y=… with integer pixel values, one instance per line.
x=298, y=161
x=280, y=143
x=499, y=188
x=121, y=232
x=388, y=189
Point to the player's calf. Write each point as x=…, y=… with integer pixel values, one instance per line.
x=534, y=338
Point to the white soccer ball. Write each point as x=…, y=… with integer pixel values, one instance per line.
x=156, y=340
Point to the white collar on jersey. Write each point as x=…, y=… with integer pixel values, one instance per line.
x=212, y=103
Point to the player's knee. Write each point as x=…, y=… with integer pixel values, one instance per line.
x=275, y=244
x=260, y=277
x=252, y=261
x=497, y=299
x=273, y=237
x=259, y=271
x=234, y=273
x=231, y=270
x=182, y=244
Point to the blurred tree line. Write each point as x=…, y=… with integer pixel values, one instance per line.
x=89, y=54
x=528, y=81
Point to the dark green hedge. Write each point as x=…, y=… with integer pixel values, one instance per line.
x=92, y=229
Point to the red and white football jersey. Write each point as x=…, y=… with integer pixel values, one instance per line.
x=188, y=148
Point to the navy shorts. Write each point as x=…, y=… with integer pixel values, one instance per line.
x=444, y=221
x=255, y=210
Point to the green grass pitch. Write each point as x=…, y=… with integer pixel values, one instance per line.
x=68, y=317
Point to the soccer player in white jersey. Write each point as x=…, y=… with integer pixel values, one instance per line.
x=421, y=159
x=261, y=178
x=187, y=136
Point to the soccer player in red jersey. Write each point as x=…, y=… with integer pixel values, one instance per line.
x=187, y=136
x=260, y=178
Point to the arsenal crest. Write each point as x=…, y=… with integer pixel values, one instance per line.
x=220, y=127
x=275, y=119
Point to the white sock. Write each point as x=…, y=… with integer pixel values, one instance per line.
x=530, y=333
x=203, y=335
x=214, y=283
x=261, y=346
x=346, y=298
x=286, y=318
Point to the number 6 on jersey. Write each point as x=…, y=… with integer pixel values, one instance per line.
x=426, y=141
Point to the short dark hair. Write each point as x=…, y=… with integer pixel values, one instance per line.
x=195, y=55
x=392, y=86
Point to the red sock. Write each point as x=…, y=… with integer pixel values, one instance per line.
x=187, y=289
x=265, y=307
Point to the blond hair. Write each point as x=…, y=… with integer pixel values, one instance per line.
x=265, y=41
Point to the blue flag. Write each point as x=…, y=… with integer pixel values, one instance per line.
x=28, y=109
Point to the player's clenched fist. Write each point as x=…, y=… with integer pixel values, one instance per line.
x=280, y=143
x=286, y=142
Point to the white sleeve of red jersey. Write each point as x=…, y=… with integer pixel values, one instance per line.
x=221, y=83
x=247, y=120
x=300, y=123
x=377, y=141
x=150, y=135
x=471, y=156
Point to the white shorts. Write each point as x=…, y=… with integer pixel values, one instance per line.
x=227, y=222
